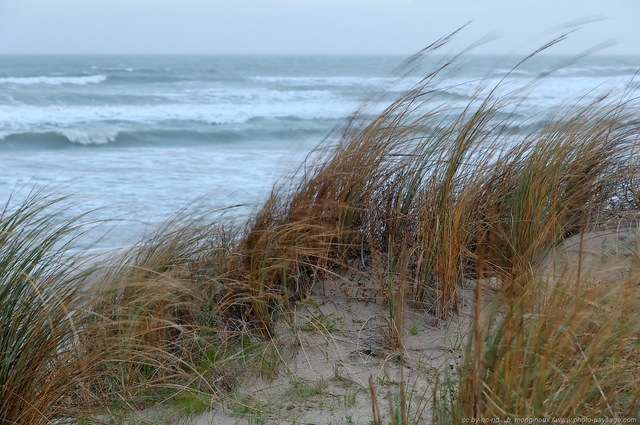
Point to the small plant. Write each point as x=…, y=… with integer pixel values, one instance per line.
x=301, y=390
x=413, y=330
x=254, y=411
x=386, y=380
x=257, y=418
x=189, y=403
x=321, y=322
x=350, y=397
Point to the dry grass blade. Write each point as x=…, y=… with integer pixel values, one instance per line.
x=42, y=368
x=553, y=354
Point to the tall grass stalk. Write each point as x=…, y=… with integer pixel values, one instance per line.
x=565, y=350
x=160, y=308
x=432, y=175
x=43, y=369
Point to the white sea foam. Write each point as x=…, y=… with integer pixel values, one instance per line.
x=84, y=136
x=37, y=118
x=202, y=93
x=340, y=81
x=55, y=81
x=89, y=137
x=119, y=68
x=600, y=71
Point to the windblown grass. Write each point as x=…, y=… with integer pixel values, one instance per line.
x=160, y=309
x=428, y=182
x=556, y=183
x=568, y=350
x=417, y=198
x=42, y=366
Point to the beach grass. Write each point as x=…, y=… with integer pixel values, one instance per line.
x=416, y=199
x=562, y=349
x=420, y=190
x=42, y=357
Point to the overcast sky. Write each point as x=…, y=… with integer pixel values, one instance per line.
x=309, y=26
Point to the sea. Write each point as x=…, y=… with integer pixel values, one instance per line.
x=137, y=139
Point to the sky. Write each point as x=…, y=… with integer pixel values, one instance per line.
x=312, y=26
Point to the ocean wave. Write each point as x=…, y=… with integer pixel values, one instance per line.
x=58, y=137
x=89, y=137
x=67, y=116
x=202, y=93
x=121, y=68
x=340, y=81
x=597, y=71
x=54, y=81
x=256, y=130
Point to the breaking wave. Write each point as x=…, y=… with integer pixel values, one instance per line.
x=54, y=81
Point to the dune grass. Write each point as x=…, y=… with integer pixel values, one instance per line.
x=42, y=361
x=160, y=308
x=428, y=183
x=417, y=198
x=565, y=350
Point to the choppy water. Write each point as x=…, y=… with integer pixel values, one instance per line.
x=140, y=137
